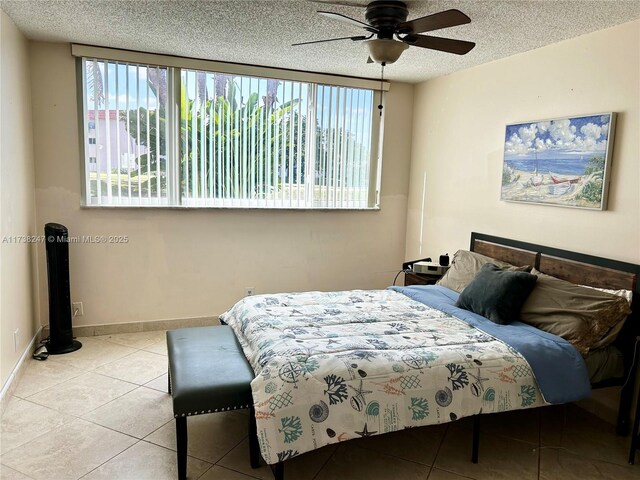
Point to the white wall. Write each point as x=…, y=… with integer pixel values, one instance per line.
x=182, y=264
x=18, y=306
x=458, y=140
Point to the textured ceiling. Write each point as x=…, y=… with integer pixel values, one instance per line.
x=260, y=31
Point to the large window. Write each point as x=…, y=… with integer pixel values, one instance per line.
x=168, y=136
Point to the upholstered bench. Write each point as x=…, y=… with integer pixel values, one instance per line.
x=208, y=373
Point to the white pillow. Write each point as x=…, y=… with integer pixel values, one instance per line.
x=626, y=294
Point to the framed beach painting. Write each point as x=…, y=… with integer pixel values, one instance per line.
x=563, y=162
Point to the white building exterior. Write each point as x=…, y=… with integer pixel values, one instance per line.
x=110, y=144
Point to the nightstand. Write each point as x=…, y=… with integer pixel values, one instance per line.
x=412, y=278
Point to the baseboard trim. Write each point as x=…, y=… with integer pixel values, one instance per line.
x=14, y=377
x=134, y=327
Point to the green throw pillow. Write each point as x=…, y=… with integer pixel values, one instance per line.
x=497, y=294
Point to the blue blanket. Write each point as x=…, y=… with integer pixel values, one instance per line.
x=558, y=367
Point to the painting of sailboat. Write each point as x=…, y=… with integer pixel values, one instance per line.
x=563, y=162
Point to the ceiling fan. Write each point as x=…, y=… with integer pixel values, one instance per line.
x=386, y=19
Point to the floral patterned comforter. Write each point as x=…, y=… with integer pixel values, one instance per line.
x=332, y=366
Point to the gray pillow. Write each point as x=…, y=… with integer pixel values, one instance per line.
x=466, y=265
x=497, y=294
x=582, y=316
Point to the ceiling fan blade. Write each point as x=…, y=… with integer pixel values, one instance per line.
x=355, y=39
x=448, y=18
x=449, y=45
x=342, y=4
x=344, y=18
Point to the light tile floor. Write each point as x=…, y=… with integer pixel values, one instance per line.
x=103, y=412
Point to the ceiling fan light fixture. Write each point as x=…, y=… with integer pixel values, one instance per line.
x=383, y=50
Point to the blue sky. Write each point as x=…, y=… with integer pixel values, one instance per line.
x=568, y=137
x=360, y=102
x=118, y=98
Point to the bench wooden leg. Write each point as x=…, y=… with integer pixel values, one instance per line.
x=181, y=441
x=476, y=439
x=254, y=447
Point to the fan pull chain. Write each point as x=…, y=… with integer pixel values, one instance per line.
x=380, y=107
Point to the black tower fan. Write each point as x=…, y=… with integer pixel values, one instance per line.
x=60, y=330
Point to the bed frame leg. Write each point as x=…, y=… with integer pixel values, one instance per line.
x=254, y=446
x=635, y=435
x=278, y=471
x=476, y=439
x=624, y=408
x=635, y=440
x=622, y=426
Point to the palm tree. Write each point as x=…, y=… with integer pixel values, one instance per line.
x=235, y=132
x=95, y=85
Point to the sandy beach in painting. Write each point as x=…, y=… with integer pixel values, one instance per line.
x=522, y=188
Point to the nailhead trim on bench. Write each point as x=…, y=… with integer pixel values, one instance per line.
x=188, y=414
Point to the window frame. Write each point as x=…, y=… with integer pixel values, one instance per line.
x=174, y=197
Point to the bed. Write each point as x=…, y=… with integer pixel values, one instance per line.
x=334, y=366
x=610, y=368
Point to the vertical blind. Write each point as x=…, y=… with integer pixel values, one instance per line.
x=125, y=124
x=241, y=141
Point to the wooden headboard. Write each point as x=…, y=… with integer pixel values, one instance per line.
x=580, y=269
x=573, y=267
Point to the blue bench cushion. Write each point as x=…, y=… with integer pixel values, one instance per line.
x=208, y=371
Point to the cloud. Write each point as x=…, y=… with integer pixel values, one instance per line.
x=122, y=101
x=543, y=126
x=560, y=135
x=522, y=142
x=540, y=145
x=562, y=131
x=591, y=130
x=588, y=144
x=528, y=134
x=584, y=143
x=515, y=145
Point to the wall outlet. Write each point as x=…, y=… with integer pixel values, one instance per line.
x=16, y=340
x=77, y=309
x=248, y=291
